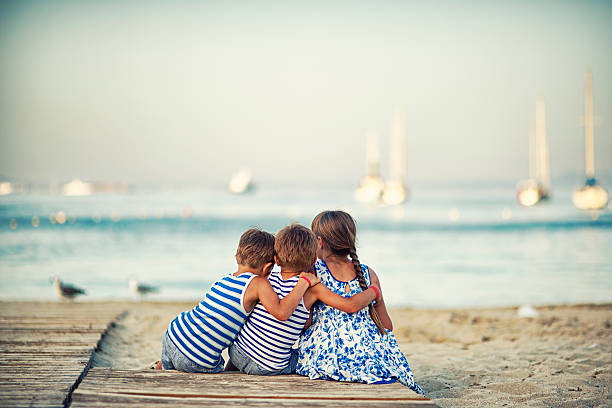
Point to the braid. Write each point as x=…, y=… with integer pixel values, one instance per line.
x=364, y=286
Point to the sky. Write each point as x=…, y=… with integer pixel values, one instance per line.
x=188, y=92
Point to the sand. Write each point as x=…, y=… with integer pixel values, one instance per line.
x=461, y=358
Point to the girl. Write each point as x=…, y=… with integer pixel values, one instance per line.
x=357, y=347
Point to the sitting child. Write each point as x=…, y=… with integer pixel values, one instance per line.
x=195, y=339
x=357, y=347
x=264, y=345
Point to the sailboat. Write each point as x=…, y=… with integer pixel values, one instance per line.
x=241, y=182
x=537, y=187
x=77, y=188
x=395, y=191
x=371, y=187
x=591, y=196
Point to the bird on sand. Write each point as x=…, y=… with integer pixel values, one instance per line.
x=141, y=289
x=66, y=291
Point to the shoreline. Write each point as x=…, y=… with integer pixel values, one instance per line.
x=132, y=301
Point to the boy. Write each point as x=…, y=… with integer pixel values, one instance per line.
x=264, y=345
x=195, y=339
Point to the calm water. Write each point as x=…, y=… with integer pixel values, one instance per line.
x=444, y=248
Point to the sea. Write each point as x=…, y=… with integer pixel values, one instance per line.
x=446, y=247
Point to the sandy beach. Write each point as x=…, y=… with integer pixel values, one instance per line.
x=461, y=358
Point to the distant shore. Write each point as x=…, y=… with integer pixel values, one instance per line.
x=478, y=357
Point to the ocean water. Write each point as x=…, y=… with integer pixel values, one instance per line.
x=446, y=247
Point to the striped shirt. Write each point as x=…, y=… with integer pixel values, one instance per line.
x=212, y=325
x=267, y=340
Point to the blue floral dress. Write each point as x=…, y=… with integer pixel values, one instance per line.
x=347, y=347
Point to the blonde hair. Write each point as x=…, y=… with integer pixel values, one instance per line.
x=337, y=229
x=295, y=247
x=256, y=248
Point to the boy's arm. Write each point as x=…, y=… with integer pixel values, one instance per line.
x=348, y=305
x=380, y=306
x=283, y=308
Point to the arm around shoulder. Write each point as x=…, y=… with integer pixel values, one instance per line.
x=282, y=309
x=349, y=305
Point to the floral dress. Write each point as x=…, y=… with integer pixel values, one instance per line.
x=347, y=347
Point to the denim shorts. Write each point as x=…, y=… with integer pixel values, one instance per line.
x=173, y=359
x=245, y=363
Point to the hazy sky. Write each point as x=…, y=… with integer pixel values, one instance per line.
x=191, y=91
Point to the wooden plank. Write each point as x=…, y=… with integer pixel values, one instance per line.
x=39, y=349
x=48, y=399
x=89, y=339
x=109, y=400
x=148, y=388
x=151, y=381
x=45, y=348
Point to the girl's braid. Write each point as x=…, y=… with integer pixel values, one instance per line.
x=364, y=286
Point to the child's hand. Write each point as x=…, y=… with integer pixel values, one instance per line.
x=311, y=278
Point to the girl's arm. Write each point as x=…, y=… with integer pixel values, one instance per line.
x=380, y=307
x=260, y=290
x=349, y=305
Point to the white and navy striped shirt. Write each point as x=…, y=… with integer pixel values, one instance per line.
x=266, y=339
x=212, y=325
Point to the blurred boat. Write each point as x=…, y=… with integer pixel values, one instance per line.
x=77, y=188
x=372, y=185
x=6, y=188
x=241, y=182
x=591, y=196
x=395, y=191
x=110, y=187
x=537, y=187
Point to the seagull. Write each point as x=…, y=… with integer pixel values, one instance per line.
x=65, y=290
x=141, y=289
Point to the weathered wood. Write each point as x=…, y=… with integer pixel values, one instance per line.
x=45, y=349
x=38, y=348
x=109, y=400
x=155, y=388
x=90, y=339
x=150, y=381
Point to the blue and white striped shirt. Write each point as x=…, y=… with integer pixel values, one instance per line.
x=266, y=339
x=212, y=325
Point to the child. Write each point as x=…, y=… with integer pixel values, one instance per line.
x=264, y=345
x=195, y=339
x=349, y=347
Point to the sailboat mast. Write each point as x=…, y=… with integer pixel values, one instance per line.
x=397, y=148
x=532, y=151
x=542, y=145
x=588, y=126
x=372, y=155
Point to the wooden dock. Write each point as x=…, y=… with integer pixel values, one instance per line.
x=106, y=387
x=46, y=349
x=46, y=354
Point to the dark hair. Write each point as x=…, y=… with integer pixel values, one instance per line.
x=338, y=231
x=295, y=247
x=256, y=248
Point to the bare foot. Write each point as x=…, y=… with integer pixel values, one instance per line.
x=158, y=366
